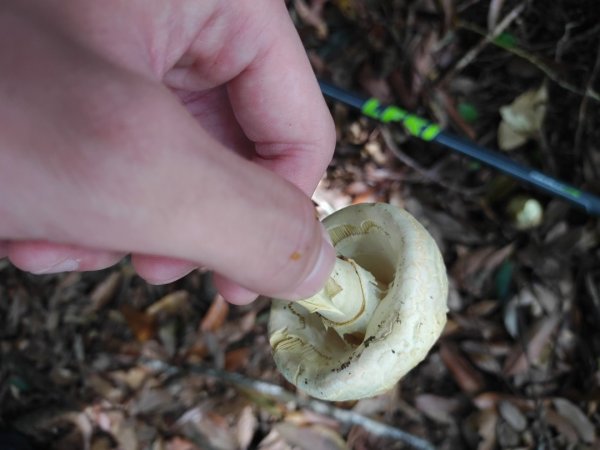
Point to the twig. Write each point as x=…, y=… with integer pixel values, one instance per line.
x=536, y=61
x=563, y=42
x=428, y=174
x=285, y=397
x=538, y=409
x=594, y=292
x=487, y=38
x=582, y=113
x=493, y=13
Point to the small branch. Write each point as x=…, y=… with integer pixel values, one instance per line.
x=470, y=56
x=285, y=397
x=536, y=61
x=428, y=174
x=581, y=116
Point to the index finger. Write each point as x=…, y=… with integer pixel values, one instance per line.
x=278, y=103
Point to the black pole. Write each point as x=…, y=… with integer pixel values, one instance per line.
x=428, y=131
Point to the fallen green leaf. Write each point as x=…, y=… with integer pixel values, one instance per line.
x=506, y=40
x=468, y=111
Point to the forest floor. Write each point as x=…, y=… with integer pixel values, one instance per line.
x=103, y=360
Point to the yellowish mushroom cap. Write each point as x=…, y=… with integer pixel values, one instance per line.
x=404, y=323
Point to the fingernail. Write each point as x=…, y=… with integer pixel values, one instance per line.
x=167, y=276
x=65, y=265
x=321, y=271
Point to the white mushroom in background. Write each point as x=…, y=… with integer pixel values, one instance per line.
x=380, y=313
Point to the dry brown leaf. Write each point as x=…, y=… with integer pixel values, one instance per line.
x=498, y=257
x=101, y=443
x=104, y=291
x=466, y=376
x=352, y=9
x=473, y=267
x=133, y=378
x=62, y=376
x=357, y=188
x=366, y=197
x=487, y=400
x=562, y=425
x=487, y=328
x=483, y=308
x=452, y=328
x=84, y=427
x=274, y=441
x=379, y=405
x=126, y=436
x=104, y=388
x=487, y=421
x=312, y=15
x=234, y=331
x=358, y=133
x=210, y=428
x=306, y=417
x=506, y=436
x=549, y=300
x=513, y=415
x=469, y=262
x=482, y=356
x=423, y=60
x=173, y=303
x=374, y=85
x=329, y=199
x=536, y=341
x=142, y=324
x=316, y=437
x=216, y=315
x=236, y=359
x=104, y=420
x=153, y=400
x=494, y=13
x=440, y=409
x=577, y=418
x=247, y=424
x=68, y=280
x=167, y=333
x=376, y=152
x=523, y=118
x=179, y=443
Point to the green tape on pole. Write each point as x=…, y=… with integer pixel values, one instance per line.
x=371, y=108
x=421, y=128
x=431, y=132
x=415, y=125
x=393, y=114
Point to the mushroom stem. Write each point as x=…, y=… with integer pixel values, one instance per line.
x=348, y=300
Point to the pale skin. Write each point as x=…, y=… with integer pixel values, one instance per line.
x=189, y=133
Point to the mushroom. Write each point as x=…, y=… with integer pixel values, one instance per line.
x=381, y=311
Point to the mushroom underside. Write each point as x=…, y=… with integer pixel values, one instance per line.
x=404, y=326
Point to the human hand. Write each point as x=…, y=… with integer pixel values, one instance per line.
x=188, y=133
